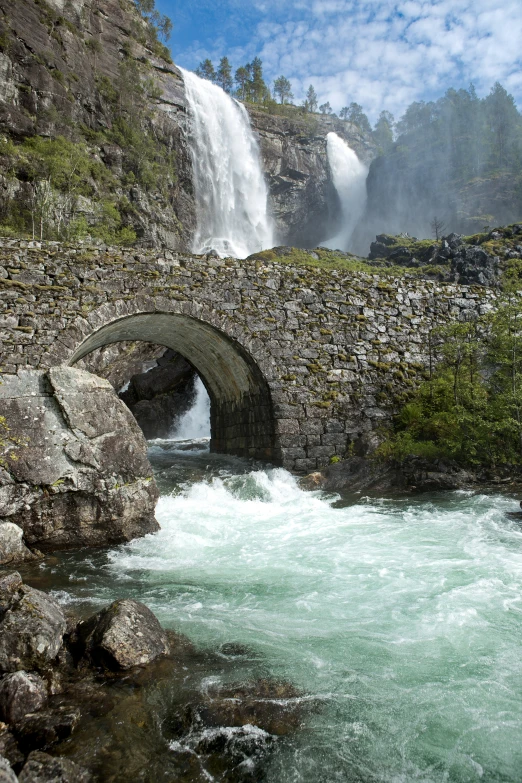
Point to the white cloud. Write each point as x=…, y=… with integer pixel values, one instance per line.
x=384, y=54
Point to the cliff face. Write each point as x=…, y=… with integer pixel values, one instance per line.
x=92, y=73
x=302, y=197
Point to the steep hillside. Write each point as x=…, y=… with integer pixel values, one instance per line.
x=87, y=148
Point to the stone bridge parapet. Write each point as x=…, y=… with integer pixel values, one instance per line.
x=300, y=362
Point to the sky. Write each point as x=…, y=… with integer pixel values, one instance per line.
x=381, y=54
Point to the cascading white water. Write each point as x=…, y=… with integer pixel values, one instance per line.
x=231, y=193
x=195, y=423
x=349, y=177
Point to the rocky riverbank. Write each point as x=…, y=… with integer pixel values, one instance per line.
x=116, y=697
x=414, y=474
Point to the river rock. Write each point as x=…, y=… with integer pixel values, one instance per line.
x=123, y=635
x=20, y=693
x=6, y=773
x=80, y=474
x=31, y=629
x=10, y=584
x=42, y=768
x=42, y=729
x=9, y=748
x=12, y=547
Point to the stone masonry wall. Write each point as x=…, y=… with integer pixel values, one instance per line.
x=336, y=349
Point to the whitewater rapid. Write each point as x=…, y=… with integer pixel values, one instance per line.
x=349, y=176
x=231, y=193
x=401, y=618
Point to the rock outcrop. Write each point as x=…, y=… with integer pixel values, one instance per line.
x=302, y=198
x=75, y=469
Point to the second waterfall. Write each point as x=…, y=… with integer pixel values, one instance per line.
x=231, y=193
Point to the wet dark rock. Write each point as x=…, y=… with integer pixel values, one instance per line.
x=9, y=747
x=159, y=396
x=124, y=635
x=45, y=728
x=235, y=650
x=20, y=693
x=366, y=473
x=12, y=547
x=353, y=474
x=31, y=630
x=82, y=476
x=273, y=707
x=42, y=768
x=6, y=773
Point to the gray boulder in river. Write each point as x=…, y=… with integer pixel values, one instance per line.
x=75, y=469
x=123, y=635
x=32, y=626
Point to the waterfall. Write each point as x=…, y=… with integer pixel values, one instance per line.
x=231, y=193
x=349, y=178
x=195, y=423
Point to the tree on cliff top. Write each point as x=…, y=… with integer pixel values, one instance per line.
x=311, y=100
x=224, y=75
x=283, y=89
x=205, y=70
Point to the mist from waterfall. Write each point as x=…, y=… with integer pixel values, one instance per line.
x=231, y=193
x=349, y=176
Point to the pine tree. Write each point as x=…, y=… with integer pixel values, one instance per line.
x=325, y=108
x=283, y=88
x=383, y=131
x=206, y=70
x=311, y=101
x=224, y=75
x=242, y=79
x=258, y=89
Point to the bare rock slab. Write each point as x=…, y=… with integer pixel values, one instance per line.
x=123, y=635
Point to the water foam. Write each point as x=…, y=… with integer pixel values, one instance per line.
x=349, y=176
x=231, y=193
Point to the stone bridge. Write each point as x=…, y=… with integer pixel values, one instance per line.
x=299, y=361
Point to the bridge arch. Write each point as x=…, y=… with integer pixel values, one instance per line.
x=242, y=418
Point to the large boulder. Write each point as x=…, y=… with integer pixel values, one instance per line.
x=123, y=635
x=42, y=768
x=12, y=547
x=21, y=692
x=31, y=628
x=75, y=461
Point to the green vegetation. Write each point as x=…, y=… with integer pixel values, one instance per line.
x=470, y=407
x=65, y=188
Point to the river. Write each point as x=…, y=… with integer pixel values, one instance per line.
x=401, y=618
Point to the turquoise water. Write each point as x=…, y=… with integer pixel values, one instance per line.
x=402, y=618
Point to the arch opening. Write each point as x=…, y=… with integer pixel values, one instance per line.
x=241, y=412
